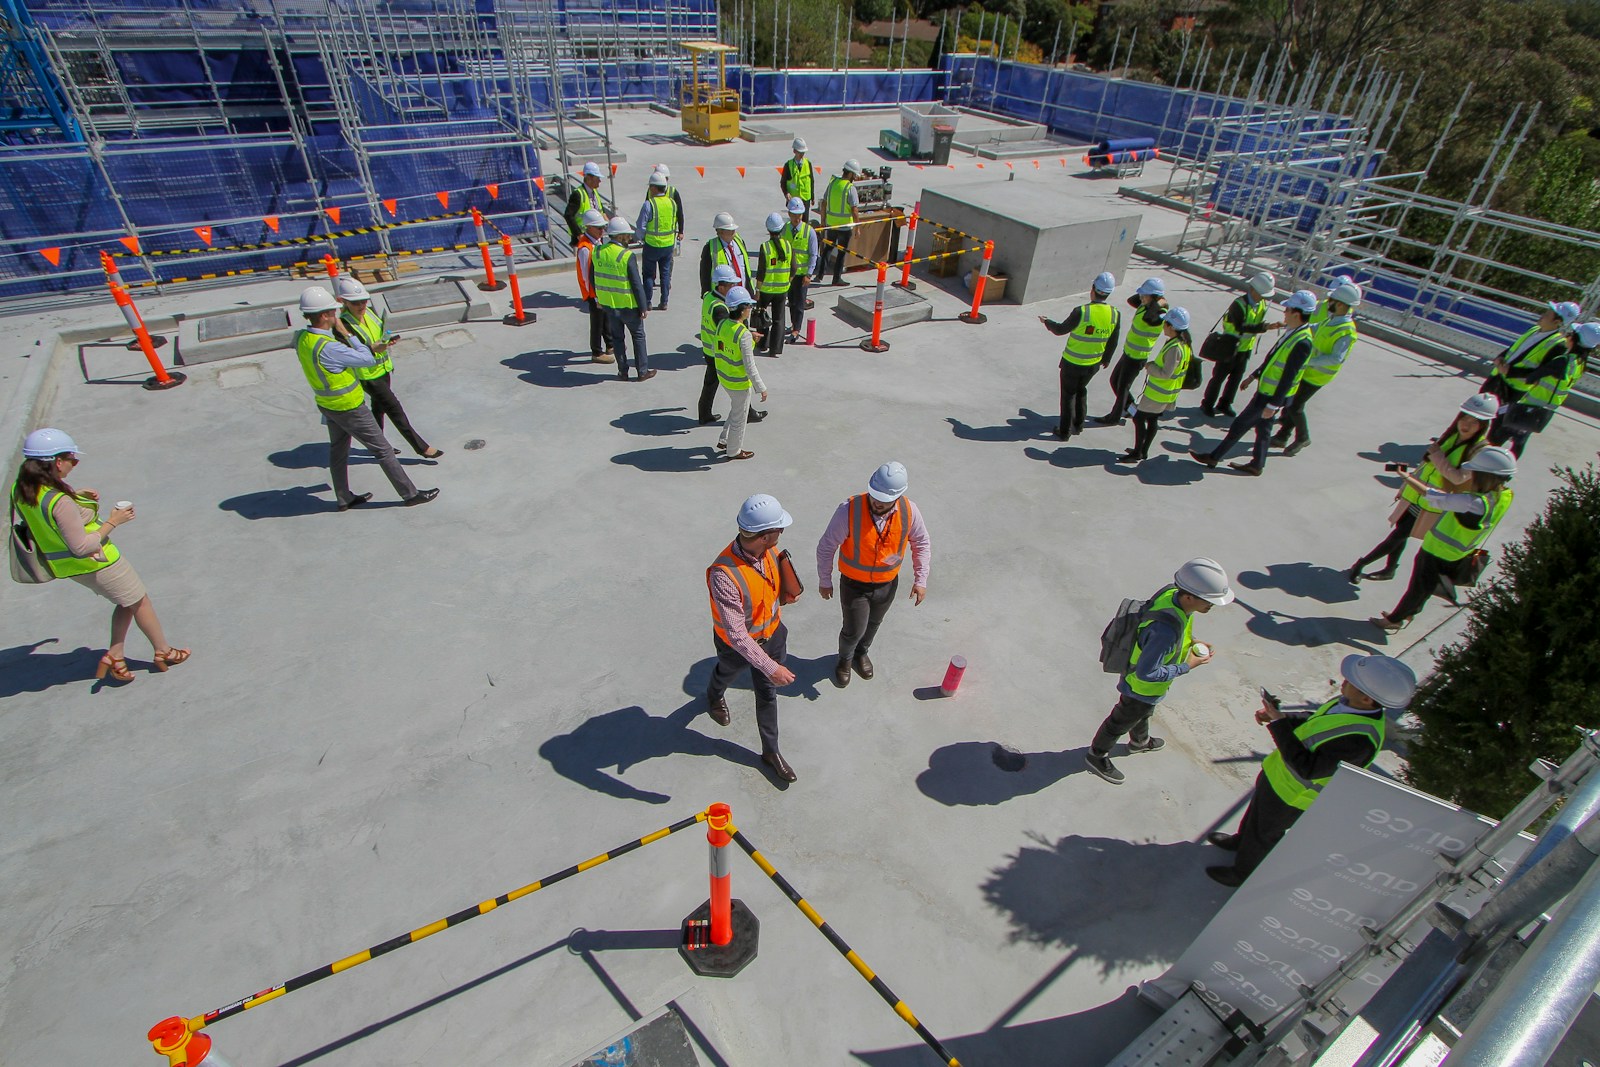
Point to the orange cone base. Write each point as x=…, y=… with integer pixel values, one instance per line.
x=719, y=961
x=868, y=346
x=174, y=379
x=977, y=319
x=528, y=319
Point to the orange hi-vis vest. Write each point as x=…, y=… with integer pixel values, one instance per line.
x=870, y=556
x=584, y=289
x=758, y=591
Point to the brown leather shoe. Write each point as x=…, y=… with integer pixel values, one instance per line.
x=717, y=708
x=863, y=665
x=841, y=673
x=647, y=375
x=1249, y=467
x=779, y=765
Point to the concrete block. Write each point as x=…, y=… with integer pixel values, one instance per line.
x=900, y=308
x=754, y=132
x=435, y=303
x=1026, y=149
x=236, y=333
x=1048, y=245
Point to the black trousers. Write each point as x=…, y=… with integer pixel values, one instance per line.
x=1294, y=416
x=599, y=328
x=797, y=299
x=1425, y=573
x=708, y=390
x=380, y=393
x=1391, y=547
x=1123, y=375
x=842, y=239
x=1075, y=395
x=730, y=663
x=1224, y=384
x=1265, y=822
x=1129, y=716
x=1144, y=432
x=1253, y=417
x=864, y=605
x=773, y=303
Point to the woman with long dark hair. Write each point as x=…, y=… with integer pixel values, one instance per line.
x=1164, y=374
x=69, y=534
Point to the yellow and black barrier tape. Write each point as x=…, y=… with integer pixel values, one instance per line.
x=290, y=242
x=200, y=1022
x=307, y=264
x=845, y=950
x=952, y=229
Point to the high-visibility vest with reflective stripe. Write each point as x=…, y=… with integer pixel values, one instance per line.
x=1316, y=731
x=1551, y=390
x=371, y=330
x=1163, y=605
x=50, y=542
x=799, y=238
x=611, y=286
x=1323, y=366
x=797, y=177
x=336, y=390
x=1086, y=344
x=757, y=591
x=1142, y=336
x=710, y=321
x=729, y=358
x=1455, y=450
x=1319, y=316
x=1254, y=315
x=777, y=265
x=720, y=256
x=836, y=204
x=662, y=229
x=589, y=200
x=585, y=290
x=1530, y=350
x=867, y=555
x=1452, y=539
x=1165, y=390
x=1276, y=361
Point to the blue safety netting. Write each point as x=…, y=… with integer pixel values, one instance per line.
x=769, y=91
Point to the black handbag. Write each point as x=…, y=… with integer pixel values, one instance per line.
x=1191, y=374
x=760, y=320
x=1219, y=347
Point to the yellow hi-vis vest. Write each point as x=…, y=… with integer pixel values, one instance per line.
x=47, y=536
x=709, y=321
x=662, y=229
x=1164, y=603
x=1086, y=344
x=1323, y=367
x=1529, y=350
x=1452, y=539
x=777, y=265
x=731, y=371
x=1254, y=315
x=836, y=204
x=335, y=390
x=1142, y=337
x=1165, y=390
x=1455, y=450
x=1277, y=359
x=1318, y=730
x=371, y=330
x=611, y=288
x=589, y=200
x=797, y=177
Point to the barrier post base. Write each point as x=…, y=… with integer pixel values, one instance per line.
x=719, y=961
x=977, y=318
x=174, y=379
x=495, y=288
x=868, y=346
x=528, y=319
x=909, y=287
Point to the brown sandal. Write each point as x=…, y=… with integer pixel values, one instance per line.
x=115, y=666
x=170, y=657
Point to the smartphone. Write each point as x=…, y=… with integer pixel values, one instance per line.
x=1270, y=699
x=1394, y=468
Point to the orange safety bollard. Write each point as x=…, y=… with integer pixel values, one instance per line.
x=877, y=343
x=162, y=379
x=905, y=281
x=518, y=317
x=488, y=285
x=330, y=265
x=720, y=936
x=108, y=264
x=718, y=818
x=975, y=316
x=171, y=1038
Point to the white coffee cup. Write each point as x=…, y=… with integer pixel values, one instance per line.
x=1201, y=649
x=124, y=504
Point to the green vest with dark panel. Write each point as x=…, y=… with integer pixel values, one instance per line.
x=1318, y=730
x=1163, y=605
x=336, y=390
x=731, y=371
x=49, y=541
x=797, y=178
x=709, y=321
x=1142, y=336
x=1086, y=344
x=1533, y=352
x=798, y=235
x=1165, y=390
x=1254, y=315
x=1452, y=539
x=371, y=330
x=836, y=205
x=662, y=229
x=1277, y=359
x=1551, y=390
x=777, y=265
x=1323, y=366
x=589, y=200
x=611, y=288
x=1455, y=450
x=720, y=256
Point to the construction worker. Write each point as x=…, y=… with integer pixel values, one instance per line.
x=1320, y=316
x=726, y=248
x=1163, y=650
x=869, y=534
x=661, y=171
x=661, y=225
x=329, y=356
x=802, y=239
x=841, y=209
x=614, y=274
x=585, y=197
x=1307, y=749
x=1530, y=350
x=1164, y=377
x=377, y=380
x=737, y=371
x=747, y=622
x=1244, y=321
x=794, y=177
x=594, y=233
x=713, y=309
x=1091, y=331
x=774, y=273
x=1144, y=334
x=1538, y=389
x=1280, y=376
x=1331, y=343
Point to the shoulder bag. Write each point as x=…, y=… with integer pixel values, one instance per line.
x=27, y=565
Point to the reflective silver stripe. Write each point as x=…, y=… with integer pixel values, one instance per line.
x=324, y=389
x=861, y=519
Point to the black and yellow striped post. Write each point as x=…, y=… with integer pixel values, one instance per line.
x=845, y=950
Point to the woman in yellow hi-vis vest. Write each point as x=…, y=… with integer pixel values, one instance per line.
x=70, y=537
x=1091, y=330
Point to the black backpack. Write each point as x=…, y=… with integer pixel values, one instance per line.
x=1116, y=640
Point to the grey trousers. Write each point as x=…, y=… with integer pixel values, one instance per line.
x=359, y=424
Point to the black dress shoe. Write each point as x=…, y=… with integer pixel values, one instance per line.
x=1382, y=576
x=355, y=502
x=863, y=665
x=717, y=708
x=1130, y=456
x=1104, y=420
x=756, y=416
x=1205, y=459
x=422, y=497
x=1225, y=841
x=712, y=421
x=1227, y=412
x=779, y=765
x=841, y=673
x=1248, y=466
x=1298, y=447
x=1208, y=411
x=1225, y=876
x=1279, y=440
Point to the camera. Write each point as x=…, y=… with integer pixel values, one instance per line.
x=1395, y=468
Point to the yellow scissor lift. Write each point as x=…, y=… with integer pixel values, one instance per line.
x=710, y=109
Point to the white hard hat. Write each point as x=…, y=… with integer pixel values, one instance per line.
x=852, y=166
x=592, y=170
x=1205, y=579
x=798, y=144
x=1390, y=683
x=619, y=225
x=888, y=482
x=593, y=218
x=1302, y=300
x=1492, y=460
x=761, y=513
x=738, y=297
x=1481, y=406
x=48, y=443
x=722, y=272
x=348, y=288
x=723, y=221
x=658, y=180
x=1104, y=282
x=776, y=222
x=661, y=169
x=315, y=298
x=1568, y=311
x=1348, y=293
x=1340, y=279
x=1263, y=284
x=1177, y=318
x=796, y=206
x=1151, y=287
x=1588, y=334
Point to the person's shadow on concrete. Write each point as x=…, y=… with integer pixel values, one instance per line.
x=1027, y=426
x=629, y=736
x=656, y=422
x=672, y=460
x=1070, y=458
x=685, y=355
x=1160, y=470
x=559, y=368
x=281, y=503
x=314, y=454
x=1311, y=631
x=975, y=773
x=24, y=669
x=1310, y=580
x=1394, y=452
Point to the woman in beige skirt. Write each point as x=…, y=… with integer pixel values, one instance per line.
x=74, y=543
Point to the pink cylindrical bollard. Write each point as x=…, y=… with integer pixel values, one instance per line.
x=952, y=676
x=811, y=331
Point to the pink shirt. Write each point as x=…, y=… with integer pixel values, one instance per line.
x=839, y=528
x=730, y=607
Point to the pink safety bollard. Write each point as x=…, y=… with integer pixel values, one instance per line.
x=952, y=676
x=811, y=331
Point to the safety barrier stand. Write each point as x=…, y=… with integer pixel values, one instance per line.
x=330, y=265
x=488, y=285
x=877, y=343
x=975, y=316
x=905, y=281
x=518, y=317
x=721, y=936
x=162, y=378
